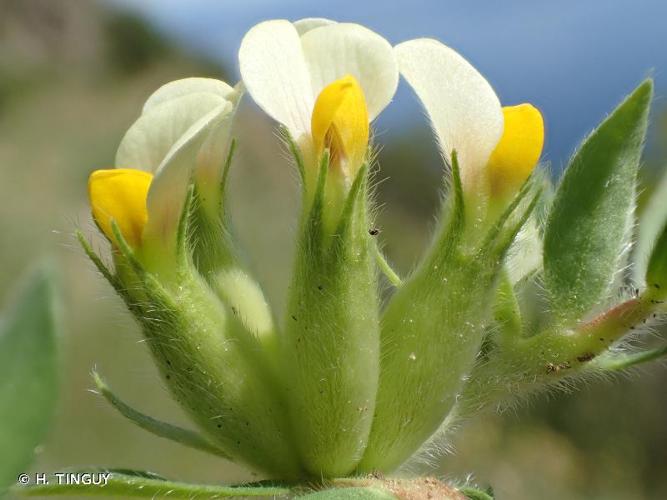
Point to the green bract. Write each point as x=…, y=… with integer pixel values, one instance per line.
x=500, y=305
x=591, y=217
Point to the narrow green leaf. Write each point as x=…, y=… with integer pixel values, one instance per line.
x=161, y=429
x=134, y=485
x=350, y=494
x=617, y=362
x=28, y=375
x=126, y=472
x=590, y=221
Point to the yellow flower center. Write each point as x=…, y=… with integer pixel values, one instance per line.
x=120, y=195
x=519, y=149
x=340, y=124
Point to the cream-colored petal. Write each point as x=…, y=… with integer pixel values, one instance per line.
x=305, y=25
x=335, y=50
x=186, y=86
x=168, y=190
x=464, y=110
x=275, y=74
x=152, y=136
x=210, y=163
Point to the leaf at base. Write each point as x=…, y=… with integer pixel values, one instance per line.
x=28, y=375
x=144, y=485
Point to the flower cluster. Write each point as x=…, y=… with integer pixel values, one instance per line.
x=505, y=301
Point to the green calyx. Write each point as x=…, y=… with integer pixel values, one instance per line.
x=331, y=338
x=545, y=339
x=216, y=372
x=214, y=366
x=433, y=326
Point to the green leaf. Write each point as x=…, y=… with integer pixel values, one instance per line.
x=146, y=485
x=651, y=223
x=617, y=362
x=475, y=494
x=350, y=494
x=589, y=225
x=28, y=375
x=183, y=436
x=656, y=272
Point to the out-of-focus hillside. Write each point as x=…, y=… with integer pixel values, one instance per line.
x=73, y=77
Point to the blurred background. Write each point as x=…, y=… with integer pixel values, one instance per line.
x=73, y=76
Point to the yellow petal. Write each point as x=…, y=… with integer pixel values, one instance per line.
x=340, y=123
x=120, y=194
x=519, y=148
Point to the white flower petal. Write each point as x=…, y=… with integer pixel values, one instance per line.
x=210, y=163
x=335, y=50
x=464, y=110
x=185, y=86
x=150, y=138
x=304, y=25
x=275, y=73
x=168, y=190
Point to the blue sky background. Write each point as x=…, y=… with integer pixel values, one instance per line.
x=575, y=59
